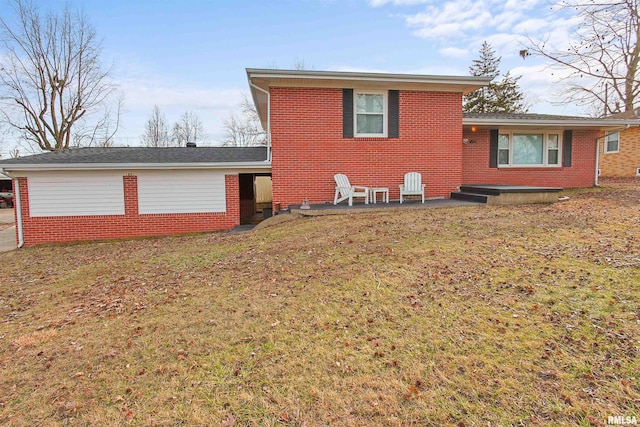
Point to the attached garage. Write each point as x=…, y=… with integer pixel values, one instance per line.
x=107, y=193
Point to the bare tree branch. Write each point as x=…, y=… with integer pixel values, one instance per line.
x=52, y=77
x=244, y=129
x=603, y=57
x=188, y=129
x=156, y=132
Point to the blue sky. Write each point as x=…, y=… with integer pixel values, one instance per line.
x=190, y=55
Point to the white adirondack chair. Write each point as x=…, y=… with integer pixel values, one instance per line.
x=344, y=190
x=412, y=186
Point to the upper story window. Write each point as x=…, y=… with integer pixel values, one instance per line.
x=612, y=143
x=520, y=149
x=370, y=110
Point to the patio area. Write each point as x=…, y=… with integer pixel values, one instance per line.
x=359, y=207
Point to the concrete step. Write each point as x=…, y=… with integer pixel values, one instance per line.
x=471, y=197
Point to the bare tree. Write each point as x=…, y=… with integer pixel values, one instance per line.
x=244, y=129
x=51, y=77
x=603, y=57
x=14, y=153
x=188, y=129
x=156, y=132
x=102, y=132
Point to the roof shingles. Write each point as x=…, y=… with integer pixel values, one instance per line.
x=143, y=155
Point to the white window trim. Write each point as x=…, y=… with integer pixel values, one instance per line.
x=545, y=149
x=385, y=114
x=606, y=144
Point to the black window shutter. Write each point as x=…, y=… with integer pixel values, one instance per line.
x=567, y=147
x=493, y=148
x=347, y=113
x=394, y=114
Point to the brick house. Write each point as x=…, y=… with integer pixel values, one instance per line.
x=372, y=127
x=620, y=149
x=377, y=127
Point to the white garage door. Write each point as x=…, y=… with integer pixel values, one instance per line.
x=75, y=193
x=162, y=192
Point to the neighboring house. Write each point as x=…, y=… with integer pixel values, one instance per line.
x=372, y=127
x=620, y=149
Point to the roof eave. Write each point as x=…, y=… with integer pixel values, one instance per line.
x=263, y=165
x=548, y=123
x=267, y=78
x=256, y=73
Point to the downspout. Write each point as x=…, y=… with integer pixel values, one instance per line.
x=597, y=172
x=597, y=177
x=17, y=205
x=268, y=159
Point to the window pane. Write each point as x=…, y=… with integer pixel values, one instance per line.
x=370, y=123
x=369, y=103
x=612, y=143
x=503, y=141
x=528, y=149
x=553, y=142
x=503, y=157
x=553, y=157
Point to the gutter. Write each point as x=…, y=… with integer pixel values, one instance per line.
x=266, y=92
x=540, y=123
x=370, y=77
x=17, y=205
x=121, y=166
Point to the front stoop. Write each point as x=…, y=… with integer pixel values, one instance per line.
x=499, y=194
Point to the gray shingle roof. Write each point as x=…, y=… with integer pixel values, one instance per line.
x=523, y=116
x=143, y=155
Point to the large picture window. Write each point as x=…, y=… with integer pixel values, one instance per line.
x=523, y=149
x=370, y=114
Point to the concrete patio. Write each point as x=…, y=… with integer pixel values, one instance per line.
x=344, y=208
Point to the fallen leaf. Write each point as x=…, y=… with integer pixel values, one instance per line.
x=228, y=421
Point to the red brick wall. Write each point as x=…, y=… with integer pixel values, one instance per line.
x=308, y=147
x=476, y=170
x=40, y=230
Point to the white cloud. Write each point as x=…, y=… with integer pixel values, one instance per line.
x=521, y=4
x=454, y=52
x=451, y=20
x=211, y=106
x=532, y=26
x=378, y=3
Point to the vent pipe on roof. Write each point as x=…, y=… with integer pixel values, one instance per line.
x=191, y=144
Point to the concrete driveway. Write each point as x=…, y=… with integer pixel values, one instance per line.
x=8, y=235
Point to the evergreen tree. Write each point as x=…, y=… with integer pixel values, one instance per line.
x=498, y=97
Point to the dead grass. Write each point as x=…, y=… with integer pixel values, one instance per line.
x=468, y=316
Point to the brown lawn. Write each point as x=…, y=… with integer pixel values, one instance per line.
x=479, y=316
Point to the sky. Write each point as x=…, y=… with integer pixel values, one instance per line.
x=191, y=55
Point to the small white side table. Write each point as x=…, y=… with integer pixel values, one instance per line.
x=380, y=190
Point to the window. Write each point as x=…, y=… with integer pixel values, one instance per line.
x=612, y=143
x=503, y=149
x=521, y=149
x=371, y=114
